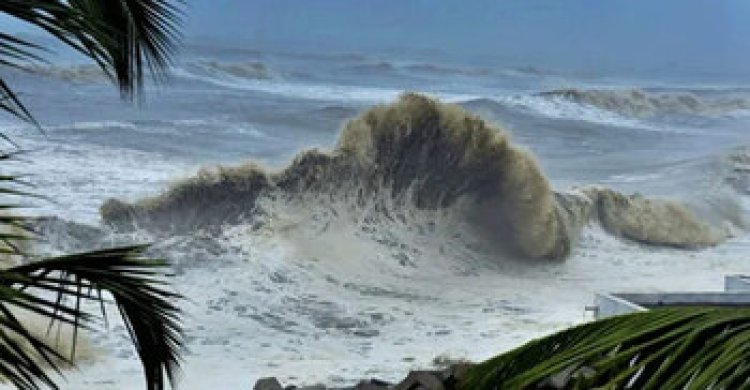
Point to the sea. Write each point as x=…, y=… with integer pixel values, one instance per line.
x=365, y=265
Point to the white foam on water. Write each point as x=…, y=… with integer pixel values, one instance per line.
x=334, y=307
x=97, y=125
x=79, y=177
x=562, y=109
x=312, y=299
x=298, y=90
x=633, y=178
x=324, y=92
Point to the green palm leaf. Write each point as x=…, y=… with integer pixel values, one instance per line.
x=61, y=284
x=122, y=36
x=55, y=288
x=675, y=348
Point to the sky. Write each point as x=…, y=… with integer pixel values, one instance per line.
x=663, y=32
x=710, y=35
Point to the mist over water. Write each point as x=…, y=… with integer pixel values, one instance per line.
x=328, y=226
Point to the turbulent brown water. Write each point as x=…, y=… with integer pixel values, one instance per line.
x=421, y=153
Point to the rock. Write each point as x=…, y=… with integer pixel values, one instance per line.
x=372, y=384
x=422, y=380
x=268, y=384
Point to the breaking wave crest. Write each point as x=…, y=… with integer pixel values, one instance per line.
x=419, y=154
x=641, y=103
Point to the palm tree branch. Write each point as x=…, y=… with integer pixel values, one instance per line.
x=699, y=347
x=135, y=286
x=121, y=36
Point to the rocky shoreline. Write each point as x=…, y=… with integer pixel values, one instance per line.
x=446, y=379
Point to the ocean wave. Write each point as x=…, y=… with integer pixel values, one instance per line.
x=166, y=126
x=252, y=70
x=83, y=73
x=421, y=155
x=447, y=70
x=374, y=67
x=640, y=103
x=108, y=124
x=418, y=68
x=322, y=92
x=561, y=109
x=335, y=112
x=296, y=90
x=89, y=73
x=738, y=176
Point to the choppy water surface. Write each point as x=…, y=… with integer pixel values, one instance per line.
x=366, y=258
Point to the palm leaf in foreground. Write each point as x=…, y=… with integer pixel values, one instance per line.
x=121, y=36
x=674, y=348
x=61, y=284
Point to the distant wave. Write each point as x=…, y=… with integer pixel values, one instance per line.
x=373, y=67
x=447, y=70
x=386, y=67
x=323, y=92
x=558, y=109
x=640, y=103
x=246, y=70
x=166, y=126
x=88, y=73
x=421, y=155
x=84, y=74
x=531, y=70
x=335, y=112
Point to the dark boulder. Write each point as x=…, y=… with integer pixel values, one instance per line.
x=268, y=384
x=422, y=380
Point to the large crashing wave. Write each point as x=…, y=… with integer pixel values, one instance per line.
x=422, y=154
x=640, y=103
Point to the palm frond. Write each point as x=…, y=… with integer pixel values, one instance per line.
x=123, y=37
x=675, y=348
x=59, y=287
x=126, y=36
x=9, y=102
x=24, y=354
x=55, y=288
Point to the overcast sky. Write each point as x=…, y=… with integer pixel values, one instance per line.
x=709, y=33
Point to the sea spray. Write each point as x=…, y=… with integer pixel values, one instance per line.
x=423, y=154
x=651, y=221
